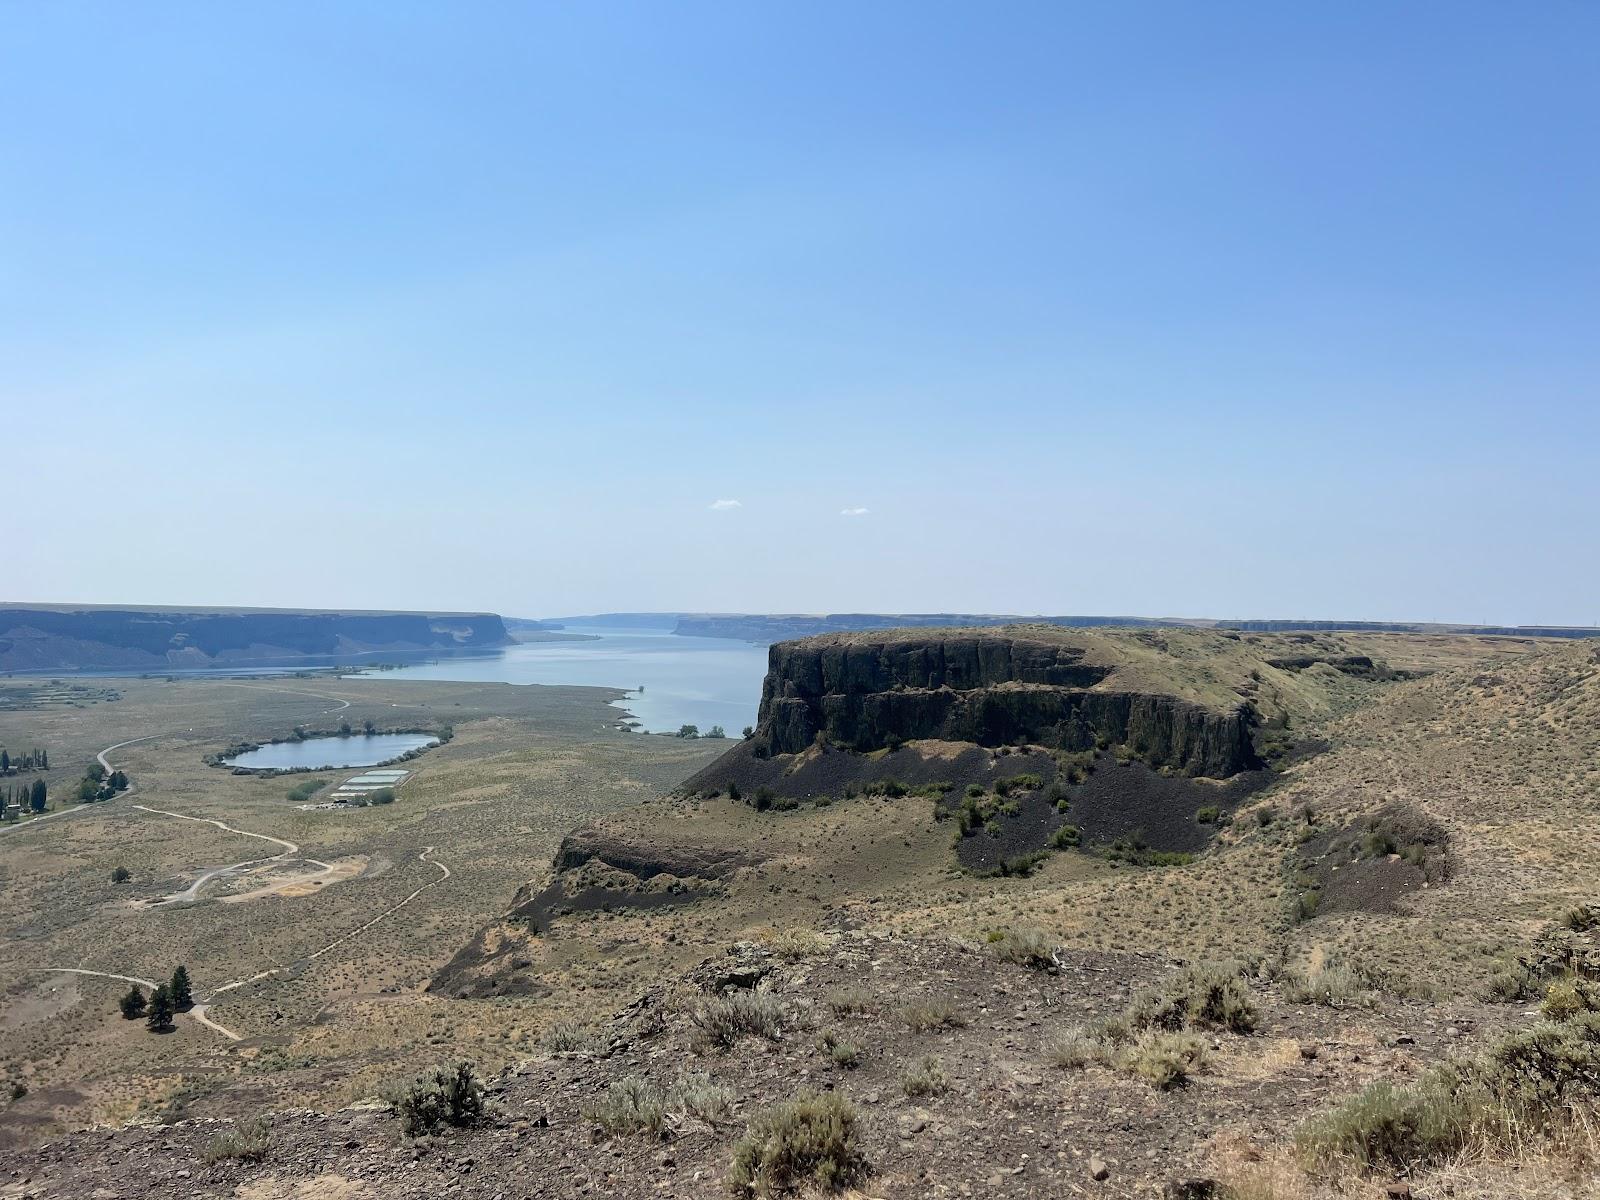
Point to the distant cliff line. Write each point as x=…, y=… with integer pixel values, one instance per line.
x=45, y=637
x=782, y=627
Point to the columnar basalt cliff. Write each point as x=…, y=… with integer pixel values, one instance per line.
x=987, y=689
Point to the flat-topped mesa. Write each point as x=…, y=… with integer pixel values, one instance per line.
x=867, y=694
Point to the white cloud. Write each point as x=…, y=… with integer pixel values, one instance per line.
x=724, y=505
x=852, y=512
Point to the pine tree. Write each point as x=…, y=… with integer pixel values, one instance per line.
x=5, y=763
x=133, y=1004
x=37, y=796
x=160, y=1012
x=181, y=993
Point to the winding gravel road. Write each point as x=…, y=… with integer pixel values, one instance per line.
x=192, y=893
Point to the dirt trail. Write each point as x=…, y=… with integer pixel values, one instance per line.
x=198, y=1011
x=192, y=893
x=105, y=763
x=267, y=687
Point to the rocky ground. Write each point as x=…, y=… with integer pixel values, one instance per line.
x=1006, y=1120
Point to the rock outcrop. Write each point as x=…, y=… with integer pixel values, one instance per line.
x=987, y=689
x=52, y=638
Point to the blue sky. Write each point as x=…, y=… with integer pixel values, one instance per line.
x=1223, y=309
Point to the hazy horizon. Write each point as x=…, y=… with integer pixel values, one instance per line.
x=1236, y=311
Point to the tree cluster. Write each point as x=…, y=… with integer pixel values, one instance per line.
x=34, y=796
x=157, y=1009
x=26, y=760
x=97, y=785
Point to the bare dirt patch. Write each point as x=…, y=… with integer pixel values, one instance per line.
x=290, y=882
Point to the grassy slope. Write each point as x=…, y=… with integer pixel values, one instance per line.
x=525, y=765
x=1510, y=768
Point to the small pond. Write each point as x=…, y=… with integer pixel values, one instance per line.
x=323, y=753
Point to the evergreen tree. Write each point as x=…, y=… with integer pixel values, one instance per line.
x=37, y=796
x=133, y=1004
x=160, y=1011
x=179, y=990
x=5, y=763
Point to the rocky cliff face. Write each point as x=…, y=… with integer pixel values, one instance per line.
x=985, y=689
x=45, y=638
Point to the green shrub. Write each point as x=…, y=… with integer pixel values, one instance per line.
x=1018, y=866
x=1076, y=1048
x=925, y=1077
x=1066, y=837
x=1530, y=1082
x=1026, y=782
x=1388, y=1126
x=1136, y=852
x=891, y=788
x=1207, y=815
x=1207, y=995
x=1334, y=985
x=1583, y=918
x=1026, y=948
x=1164, y=1058
x=630, y=1105
x=1378, y=844
x=839, y=1051
x=247, y=1141
x=797, y=943
x=723, y=1020
x=847, y=1000
x=700, y=1096
x=927, y=1015
x=567, y=1037
x=1566, y=998
x=446, y=1096
x=975, y=790
x=1538, y=1073
x=635, y=1105
x=808, y=1140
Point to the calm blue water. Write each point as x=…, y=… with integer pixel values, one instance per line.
x=357, y=750
x=686, y=680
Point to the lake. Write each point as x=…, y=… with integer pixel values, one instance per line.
x=685, y=680
x=327, y=753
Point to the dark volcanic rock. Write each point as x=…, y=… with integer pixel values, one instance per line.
x=987, y=689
